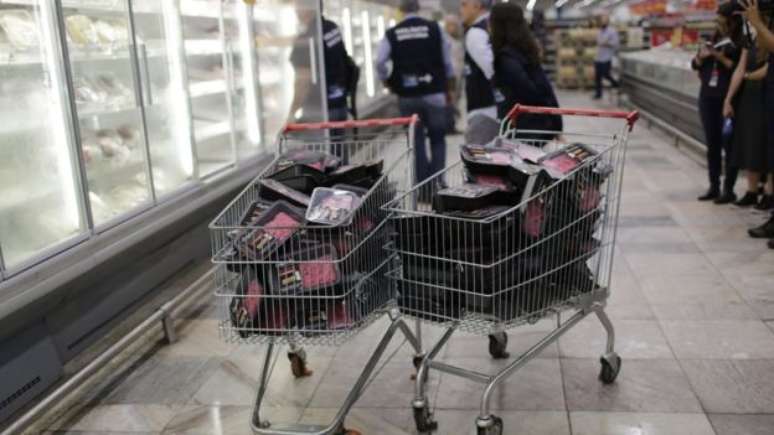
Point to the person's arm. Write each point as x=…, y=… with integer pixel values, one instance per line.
x=515, y=76
x=448, y=65
x=736, y=82
x=302, y=85
x=758, y=74
x=383, y=53
x=721, y=57
x=480, y=49
x=753, y=16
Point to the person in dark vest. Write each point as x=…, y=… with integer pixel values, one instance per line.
x=420, y=73
x=341, y=74
x=479, y=69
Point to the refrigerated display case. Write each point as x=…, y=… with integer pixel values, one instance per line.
x=40, y=199
x=114, y=107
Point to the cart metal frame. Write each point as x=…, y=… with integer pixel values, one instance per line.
x=592, y=300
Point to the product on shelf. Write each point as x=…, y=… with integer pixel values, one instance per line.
x=81, y=30
x=332, y=206
x=20, y=28
x=111, y=31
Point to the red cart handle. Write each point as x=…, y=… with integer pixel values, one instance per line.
x=387, y=122
x=630, y=117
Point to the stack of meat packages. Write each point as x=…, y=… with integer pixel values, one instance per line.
x=291, y=252
x=511, y=241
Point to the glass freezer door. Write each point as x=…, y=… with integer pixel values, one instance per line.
x=209, y=31
x=108, y=107
x=40, y=196
x=290, y=71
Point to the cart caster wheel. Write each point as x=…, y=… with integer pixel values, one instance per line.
x=497, y=345
x=611, y=366
x=424, y=420
x=298, y=364
x=495, y=427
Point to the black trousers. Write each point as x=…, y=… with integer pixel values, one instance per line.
x=711, y=111
x=602, y=71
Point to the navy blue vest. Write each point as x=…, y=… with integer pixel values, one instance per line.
x=417, y=58
x=335, y=64
x=478, y=89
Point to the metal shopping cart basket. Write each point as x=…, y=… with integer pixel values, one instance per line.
x=281, y=279
x=496, y=268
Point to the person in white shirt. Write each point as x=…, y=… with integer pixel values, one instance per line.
x=479, y=69
x=607, y=45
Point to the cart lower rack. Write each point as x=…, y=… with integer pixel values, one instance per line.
x=485, y=269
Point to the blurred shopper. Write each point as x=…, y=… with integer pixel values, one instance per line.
x=766, y=40
x=479, y=69
x=453, y=30
x=745, y=102
x=607, y=46
x=539, y=30
x=421, y=69
x=715, y=62
x=519, y=75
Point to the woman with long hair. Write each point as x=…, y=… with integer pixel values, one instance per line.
x=518, y=74
x=715, y=62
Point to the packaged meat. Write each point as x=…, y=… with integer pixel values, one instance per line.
x=276, y=225
x=272, y=190
x=466, y=197
x=253, y=213
x=307, y=270
x=332, y=206
x=567, y=159
x=20, y=28
x=481, y=160
x=301, y=177
x=362, y=175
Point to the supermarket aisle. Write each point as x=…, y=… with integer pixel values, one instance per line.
x=693, y=303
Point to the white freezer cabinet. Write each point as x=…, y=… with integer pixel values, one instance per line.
x=111, y=107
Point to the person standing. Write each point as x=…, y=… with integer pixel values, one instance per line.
x=518, y=73
x=421, y=69
x=715, y=63
x=607, y=46
x=745, y=103
x=479, y=69
x=752, y=13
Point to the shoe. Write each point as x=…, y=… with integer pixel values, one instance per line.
x=726, y=198
x=765, y=231
x=747, y=200
x=710, y=195
x=770, y=244
x=766, y=203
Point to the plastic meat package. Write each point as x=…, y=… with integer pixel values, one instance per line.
x=20, y=28
x=312, y=269
x=332, y=206
x=275, y=226
x=466, y=197
x=567, y=159
x=272, y=190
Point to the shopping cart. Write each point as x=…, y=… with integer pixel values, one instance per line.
x=550, y=254
x=322, y=283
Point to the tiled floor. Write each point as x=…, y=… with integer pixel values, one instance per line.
x=691, y=301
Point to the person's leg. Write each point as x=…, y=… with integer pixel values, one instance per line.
x=713, y=137
x=609, y=74
x=598, y=71
x=408, y=107
x=751, y=197
x=436, y=128
x=731, y=171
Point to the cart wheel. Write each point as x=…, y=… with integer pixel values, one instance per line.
x=496, y=428
x=497, y=345
x=298, y=364
x=424, y=420
x=349, y=432
x=611, y=366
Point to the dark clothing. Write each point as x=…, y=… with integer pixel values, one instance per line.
x=716, y=87
x=336, y=73
x=711, y=111
x=416, y=50
x=602, y=70
x=520, y=82
x=770, y=110
x=750, y=140
x=433, y=119
x=478, y=89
